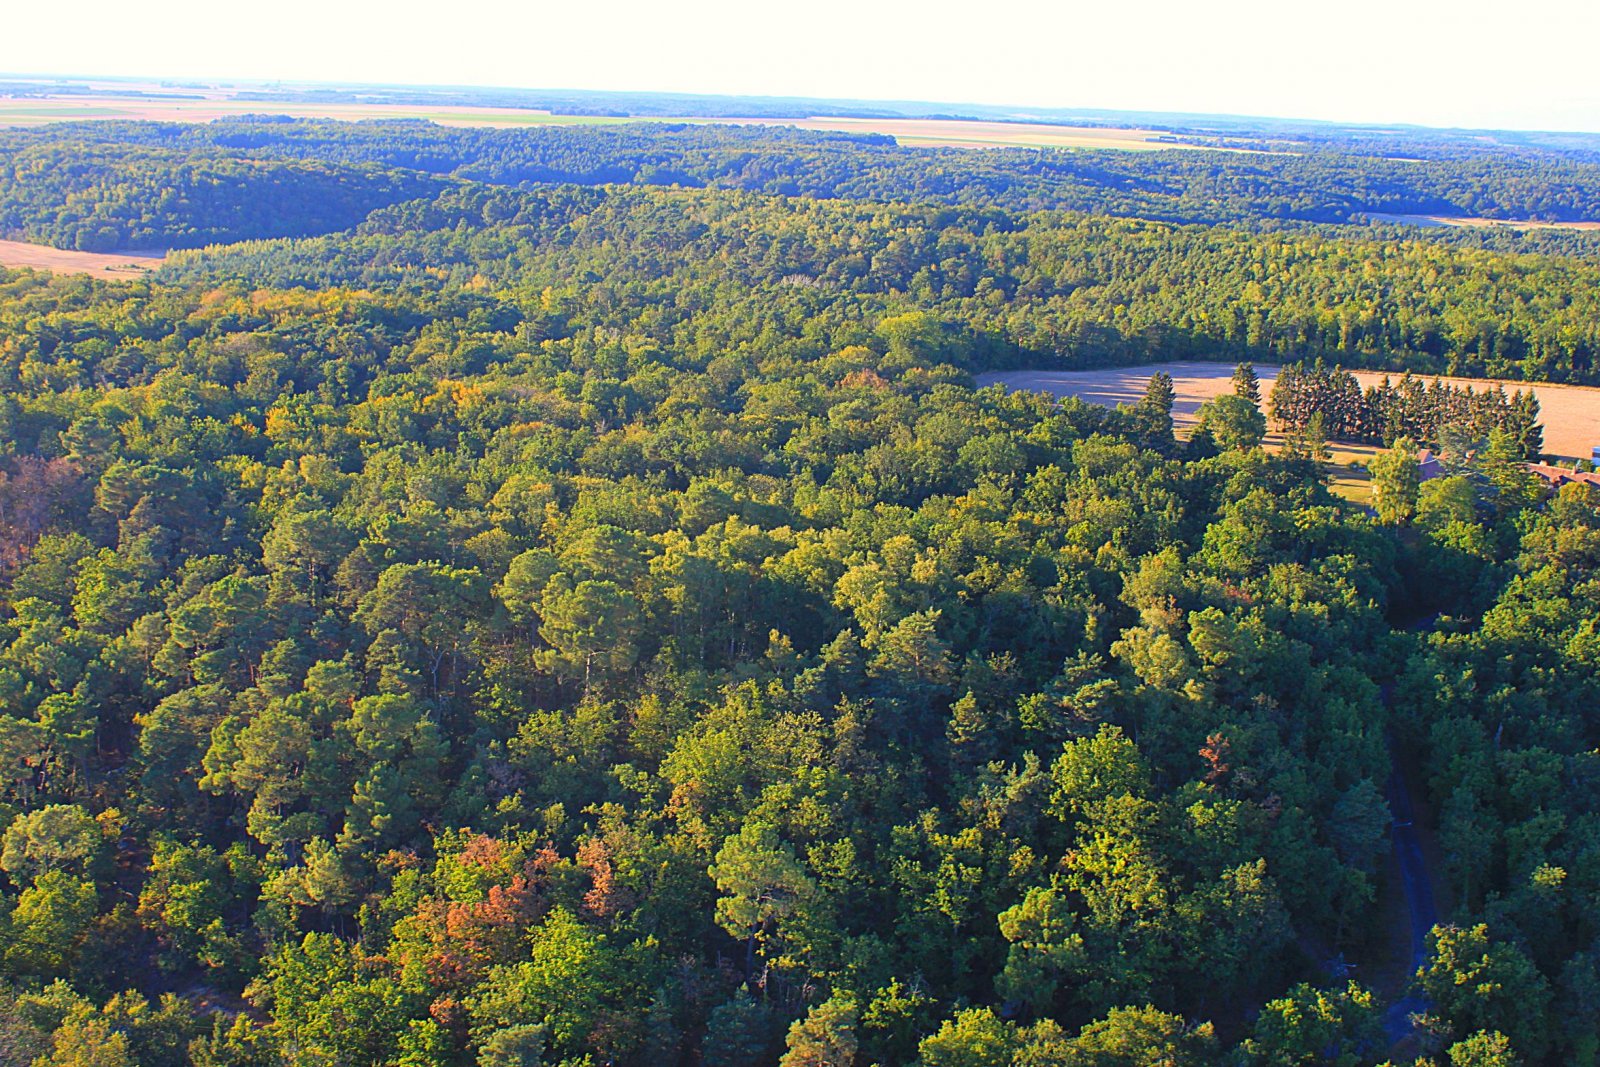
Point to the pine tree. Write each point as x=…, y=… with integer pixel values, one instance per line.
x=1286, y=396
x=1246, y=384
x=1523, y=422
x=1153, y=413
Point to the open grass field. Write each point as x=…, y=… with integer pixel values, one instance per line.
x=1571, y=413
x=207, y=107
x=60, y=261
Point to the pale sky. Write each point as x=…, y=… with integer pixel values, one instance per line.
x=1512, y=63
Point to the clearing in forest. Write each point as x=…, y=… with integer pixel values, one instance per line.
x=1478, y=222
x=1570, y=413
x=61, y=261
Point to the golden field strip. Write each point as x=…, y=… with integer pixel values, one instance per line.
x=1478, y=222
x=61, y=261
x=197, y=107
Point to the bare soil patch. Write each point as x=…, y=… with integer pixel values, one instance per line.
x=61, y=261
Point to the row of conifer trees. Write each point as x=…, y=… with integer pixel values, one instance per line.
x=1390, y=410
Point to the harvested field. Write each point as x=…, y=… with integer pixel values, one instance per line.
x=60, y=261
x=1571, y=412
x=1479, y=222
x=1194, y=383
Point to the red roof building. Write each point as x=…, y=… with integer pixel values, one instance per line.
x=1559, y=476
x=1428, y=465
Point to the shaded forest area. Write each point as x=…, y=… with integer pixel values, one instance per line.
x=110, y=197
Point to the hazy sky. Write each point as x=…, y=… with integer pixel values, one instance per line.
x=1526, y=64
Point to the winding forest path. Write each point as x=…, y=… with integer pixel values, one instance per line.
x=1416, y=883
x=1411, y=867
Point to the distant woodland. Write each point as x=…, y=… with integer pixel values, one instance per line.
x=1325, y=183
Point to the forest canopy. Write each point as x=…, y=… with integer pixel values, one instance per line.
x=585, y=624
x=1345, y=184
x=104, y=198
x=1045, y=289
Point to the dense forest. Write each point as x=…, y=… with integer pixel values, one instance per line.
x=1317, y=184
x=1047, y=289
x=107, y=197
x=1051, y=287
x=580, y=625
